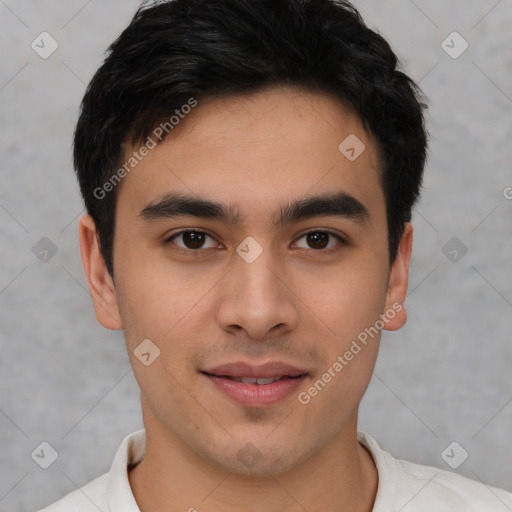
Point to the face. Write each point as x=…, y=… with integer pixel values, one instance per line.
x=281, y=278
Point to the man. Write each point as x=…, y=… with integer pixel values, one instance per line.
x=249, y=169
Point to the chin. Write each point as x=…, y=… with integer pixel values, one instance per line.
x=257, y=458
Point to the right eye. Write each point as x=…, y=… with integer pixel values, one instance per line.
x=191, y=240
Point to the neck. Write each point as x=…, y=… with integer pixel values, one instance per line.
x=341, y=477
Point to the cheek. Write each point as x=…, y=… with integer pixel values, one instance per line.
x=350, y=304
x=153, y=295
x=169, y=307
x=333, y=396
x=345, y=299
x=160, y=308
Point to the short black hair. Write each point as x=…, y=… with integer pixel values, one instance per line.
x=180, y=51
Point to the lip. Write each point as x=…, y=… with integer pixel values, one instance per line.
x=256, y=395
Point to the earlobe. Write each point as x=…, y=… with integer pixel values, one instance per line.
x=395, y=312
x=101, y=285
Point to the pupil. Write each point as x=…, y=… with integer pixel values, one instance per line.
x=193, y=239
x=318, y=240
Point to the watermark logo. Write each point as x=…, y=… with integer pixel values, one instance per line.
x=249, y=249
x=352, y=147
x=44, y=45
x=454, y=249
x=137, y=156
x=146, y=352
x=249, y=455
x=343, y=360
x=44, y=455
x=454, y=45
x=44, y=250
x=454, y=455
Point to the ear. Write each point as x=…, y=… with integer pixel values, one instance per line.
x=101, y=285
x=398, y=282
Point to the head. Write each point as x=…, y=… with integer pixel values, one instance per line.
x=254, y=122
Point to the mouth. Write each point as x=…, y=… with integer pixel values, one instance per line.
x=260, y=381
x=256, y=386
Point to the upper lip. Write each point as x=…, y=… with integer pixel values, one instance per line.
x=240, y=369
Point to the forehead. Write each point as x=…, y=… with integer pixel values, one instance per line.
x=255, y=151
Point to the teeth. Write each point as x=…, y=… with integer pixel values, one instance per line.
x=268, y=380
x=248, y=380
x=257, y=380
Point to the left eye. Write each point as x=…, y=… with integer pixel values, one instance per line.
x=320, y=239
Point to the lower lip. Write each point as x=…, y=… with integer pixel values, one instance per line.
x=256, y=395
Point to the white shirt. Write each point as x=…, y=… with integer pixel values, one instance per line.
x=403, y=486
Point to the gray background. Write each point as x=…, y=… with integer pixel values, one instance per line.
x=446, y=376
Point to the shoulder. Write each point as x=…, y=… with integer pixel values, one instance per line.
x=110, y=491
x=88, y=498
x=418, y=488
x=428, y=486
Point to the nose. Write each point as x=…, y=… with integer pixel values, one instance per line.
x=256, y=299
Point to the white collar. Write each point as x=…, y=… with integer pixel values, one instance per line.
x=119, y=493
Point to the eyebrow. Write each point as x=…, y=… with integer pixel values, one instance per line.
x=338, y=204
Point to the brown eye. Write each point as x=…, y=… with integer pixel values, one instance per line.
x=320, y=240
x=192, y=240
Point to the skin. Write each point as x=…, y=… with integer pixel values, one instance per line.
x=293, y=304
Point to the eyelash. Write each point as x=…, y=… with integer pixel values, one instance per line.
x=331, y=250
